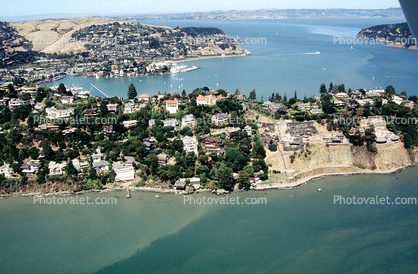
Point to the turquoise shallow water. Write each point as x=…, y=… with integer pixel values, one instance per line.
x=284, y=63
x=297, y=231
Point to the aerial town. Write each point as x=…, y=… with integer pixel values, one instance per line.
x=105, y=49
x=69, y=140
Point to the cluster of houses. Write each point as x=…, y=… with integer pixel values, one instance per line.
x=341, y=99
x=124, y=171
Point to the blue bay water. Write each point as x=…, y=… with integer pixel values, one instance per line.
x=284, y=64
x=297, y=231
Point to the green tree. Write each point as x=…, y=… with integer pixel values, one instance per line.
x=253, y=95
x=237, y=92
x=323, y=89
x=331, y=86
x=224, y=177
x=390, y=90
x=244, y=180
x=70, y=170
x=273, y=147
x=61, y=89
x=131, y=91
x=33, y=153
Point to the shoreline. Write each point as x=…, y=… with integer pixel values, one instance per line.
x=210, y=57
x=306, y=180
x=262, y=187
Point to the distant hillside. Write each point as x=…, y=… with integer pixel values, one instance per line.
x=396, y=35
x=51, y=36
x=270, y=14
x=193, y=31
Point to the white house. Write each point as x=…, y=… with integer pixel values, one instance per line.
x=205, y=100
x=375, y=92
x=31, y=167
x=248, y=129
x=81, y=164
x=53, y=113
x=342, y=95
x=398, y=100
x=129, y=123
x=15, y=103
x=67, y=99
x=6, y=171
x=338, y=103
x=98, y=163
x=316, y=111
x=220, y=118
x=39, y=106
x=172, y=106
x=190, y=144
x=123, y=171
x=188, y=121
x=112, y=107
x=57, y=168
x=131, y=107
x=144, y=97
x=170, y=123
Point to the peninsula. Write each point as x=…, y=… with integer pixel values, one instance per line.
x=395, y=35
x=58, y=140
x=93, y=47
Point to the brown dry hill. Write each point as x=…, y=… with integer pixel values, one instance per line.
x=51, y=36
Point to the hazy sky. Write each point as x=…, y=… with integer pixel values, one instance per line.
x=102, y=7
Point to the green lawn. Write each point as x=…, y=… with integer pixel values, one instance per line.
x=273, y=178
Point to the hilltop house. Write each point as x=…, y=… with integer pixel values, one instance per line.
x=108, y=130
x=316, y=111
x=144, y=97
x=170, y=123
x=338, y=103
x=81, y=164
x=31, y=167
x=205, y=100
x=130, y=107
x=232, y=132
x=90, y=112
x=53, y=113
x=98, y=163
x=67, y=99
x=129, y=123
x=248, y=129
x=190, y=144
x=163, y=158
x=188, y=121
x=57, y=168
x=39, y=106
x=172, y=106
x=112, y=108
x=213, y=144
x=149, y=143
x=6, y=171
x=220, y=118
x=15, y=103
x=342, y=95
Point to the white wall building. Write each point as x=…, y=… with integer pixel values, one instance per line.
x=190, y=144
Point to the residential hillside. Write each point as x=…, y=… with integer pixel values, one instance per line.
x=395, y=35
x=51, y=36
